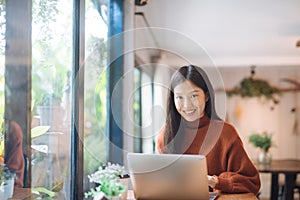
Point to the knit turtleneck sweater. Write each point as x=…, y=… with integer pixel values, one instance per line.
x=15, y=159
x=224, y=151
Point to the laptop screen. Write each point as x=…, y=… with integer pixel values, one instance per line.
x=168, y=176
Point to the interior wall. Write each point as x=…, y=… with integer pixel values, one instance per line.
x=253, y=114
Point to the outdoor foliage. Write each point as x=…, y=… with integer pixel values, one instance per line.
x=51, y=56
x=52, y=60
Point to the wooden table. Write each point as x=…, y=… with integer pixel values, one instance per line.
x=22, y=193
x=290, y=168
x=248, y=196
x=25, y=193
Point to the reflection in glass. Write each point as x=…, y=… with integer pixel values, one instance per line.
x=2, y=57
x=51, y=117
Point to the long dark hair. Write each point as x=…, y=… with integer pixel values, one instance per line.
x=199, y=77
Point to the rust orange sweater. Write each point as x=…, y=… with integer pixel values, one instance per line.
x=224, y=151
x=15, y=159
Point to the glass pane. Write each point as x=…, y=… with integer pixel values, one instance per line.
x=51, y=92
x=147, y=125
x=137, y=111
x=2, y=83
x=95, y=141
x=142, y=105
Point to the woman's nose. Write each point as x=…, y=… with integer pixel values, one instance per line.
x=187, y=103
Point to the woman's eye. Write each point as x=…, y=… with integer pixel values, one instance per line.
x=194, y=96
x=178, y=97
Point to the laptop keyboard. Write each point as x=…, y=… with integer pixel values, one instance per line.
x=213, y=195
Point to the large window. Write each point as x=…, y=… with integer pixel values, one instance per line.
x=40, y=76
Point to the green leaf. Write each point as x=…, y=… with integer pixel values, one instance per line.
x=39, y=130
x=45, y=191
x=57, y=185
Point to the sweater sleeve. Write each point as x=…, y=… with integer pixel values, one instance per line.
x=241, y=175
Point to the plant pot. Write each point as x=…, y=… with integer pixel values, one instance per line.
x=101, y=196
x=114, y=198
x=124, y=182
x=264, y=157
x=7, y=190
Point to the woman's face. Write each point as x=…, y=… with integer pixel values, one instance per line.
x=189, y=100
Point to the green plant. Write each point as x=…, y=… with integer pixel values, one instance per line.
x=251, y=87
x=49, y=193
x=261, y=140
x=108, y=180
x=5, y=174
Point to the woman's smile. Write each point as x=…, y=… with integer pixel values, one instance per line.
x=190, y=112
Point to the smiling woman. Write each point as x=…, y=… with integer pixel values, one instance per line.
x=193, y=127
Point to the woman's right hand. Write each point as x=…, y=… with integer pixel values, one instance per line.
x=212, y=181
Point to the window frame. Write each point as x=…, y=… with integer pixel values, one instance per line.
x=77, y=130
x=18, y=70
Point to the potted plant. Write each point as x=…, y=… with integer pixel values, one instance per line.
x=7, y=179
x=111, y=183
x=264, y=142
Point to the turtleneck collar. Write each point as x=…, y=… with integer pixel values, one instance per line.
x=204, y=120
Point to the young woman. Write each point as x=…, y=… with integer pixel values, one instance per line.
x=193, y=127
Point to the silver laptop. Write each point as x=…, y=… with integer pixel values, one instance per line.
x=168, y=176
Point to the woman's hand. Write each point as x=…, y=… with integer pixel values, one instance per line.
x=212, y=181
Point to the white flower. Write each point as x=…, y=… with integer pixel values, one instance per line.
x=109, y=179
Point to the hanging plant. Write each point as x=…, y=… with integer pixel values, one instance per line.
x=250, y=87
x=253, y=87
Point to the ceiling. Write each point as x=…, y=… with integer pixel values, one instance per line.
x=221, y=33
